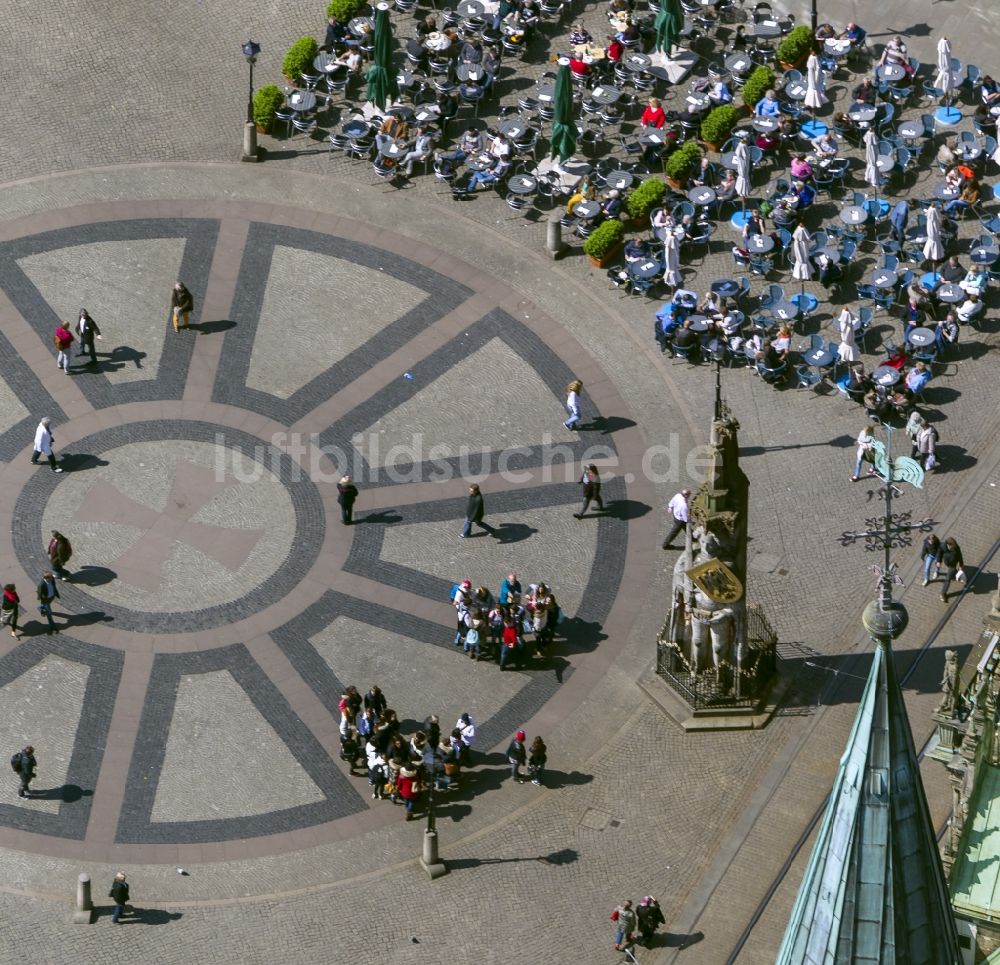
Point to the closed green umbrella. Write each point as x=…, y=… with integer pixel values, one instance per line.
x=669, y=24
x=563, y=125
x=381, y=75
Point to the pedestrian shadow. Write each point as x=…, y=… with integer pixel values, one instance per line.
x=513, y=532
x=581, y=636
x=941, y=394
x=88, y=619
x=93, y=576
x=953, y=459
x=102, y=365
x=78, y=461
x=67, y=794
x=676, y=940
x=564, y=857
x=213, y=327
x=606, y=425
x=555, y=780
x=125, y=354
x=385, y=518
x=626, y=509
x=452, y=810
x=138, y=916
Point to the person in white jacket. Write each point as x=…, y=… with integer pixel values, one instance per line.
x=43, y=445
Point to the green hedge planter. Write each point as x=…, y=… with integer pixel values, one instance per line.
x=604, y=242
x=717, y=127
x=757, y=85
x=299, y=58
x=266, y=100
x=645, y=198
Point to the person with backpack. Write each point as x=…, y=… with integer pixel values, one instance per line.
x=10, y=606
x=63, y=341
x=591, y=482
x=119, y=894
x=87, y=329
x=537, y=756
x=517, y=757
x=23, y=764
x=47, y=592
x=59, y=551
x=350, y=749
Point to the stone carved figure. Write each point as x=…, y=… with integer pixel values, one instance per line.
x=711, y=622
x=949, y=685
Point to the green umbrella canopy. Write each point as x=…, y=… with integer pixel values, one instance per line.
x=563, y=125
x=668, y=25
x=381, y=76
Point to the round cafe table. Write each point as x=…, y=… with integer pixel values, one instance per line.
x=885, y=163
x=521, y=184
x=636, y=62
x=513, y=128
x=650, y=135
x=302, y=100
x=910, y=130
x=818, y=358
x=862, y=115
x=945, y=191
x=765, y=124
x=836, y=47
x=738, y=63
x=701, y=196
x=644, y=270
x=470, y=8
x=358, y=24
x=795, y=90
x=886, y=375
x=619, y=180
x=969, y=151
x=327, y=63
x=760, y=244
x=725, y=287
x=473, y=72
x=395, y=149
x=853, y=214
x=697, y=102
x=890, y=73
x=949, y=293
x=785, y=311
x=921, y=337
x=605, y=94
x=585, y=210
x=884, y=278
x=546, y=92
x=983, y=256
x=728, y=160
x=699, y=323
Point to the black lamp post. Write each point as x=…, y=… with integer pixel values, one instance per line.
x=250, y=51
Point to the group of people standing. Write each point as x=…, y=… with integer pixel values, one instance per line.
x=59, y=552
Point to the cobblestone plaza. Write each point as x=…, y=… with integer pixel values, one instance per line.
x=186, y=714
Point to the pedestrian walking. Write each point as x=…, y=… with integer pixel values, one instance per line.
x=573, y=391
x=409, y=787
x=926, y=443
x=181, y=306
x=87, y=329
x=475, y=510
x=48, y=592
x=43, y=445
x=119, y=895
x=591, y=482
x=24, y=764
x=649, y=917
x=866, y=453
x=347, y=493
x=625, y=924
x=680, y=511
x=930, y=553
x=63, y=341
x=466, y=727
x=537, y=756
x=952, y=563
x=10, y=607
x=517, y=757
x=60, y=551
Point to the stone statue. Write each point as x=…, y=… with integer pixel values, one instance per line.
x=714, y=623
x=949, y=685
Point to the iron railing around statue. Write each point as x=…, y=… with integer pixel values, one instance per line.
x=726, y=686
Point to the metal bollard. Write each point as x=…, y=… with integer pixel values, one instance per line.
x=429, y=859
x=249, y=142
x=554, y=244
x=83, y=914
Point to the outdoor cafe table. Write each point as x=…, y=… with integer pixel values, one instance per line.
x=650, y=135
x=884, y=278
x=890, y=73
x=471, y=72
x=921, y=337
x=355, y=128
x=760, y=244
x=796, y=90
x=862, y=115
x=885, y=163
x=836, y=47
x=470, y=8
x=327, y=63
x=697, y=102
x=818, y=357
x=832, y=252
x=699, y=323
x=910, y=130
x=619, y=180
x=945, y=191
x=586, y=210
x=703, y=195
x=513, y=127
x=885, y=375
x=404, y=78
x=302, y=100
x=983, y=256
x=766, y=29
x=728, y=160
x=949, y=293
x=785, y=311
x=438, y=42
x=969, y=151
x=546, y=92
x=725, y=287
x=738, y=63
x=853, y=214
x=395, y=149
x=605, y=94
x=427, y=112
x=644, y=270
x=522, y=184
x=637, y=63
x=765, y=124
x=357, y=25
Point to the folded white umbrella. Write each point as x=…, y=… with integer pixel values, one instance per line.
x=815, y=84
x=933, y=246
x=742, y=157
x=945, y=79
x=672, y=261
x=871, y=158
x=848, y=350
x=801, y=267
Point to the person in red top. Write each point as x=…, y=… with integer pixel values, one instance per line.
x=9, y=608
x=63, y=341
x=653, y=115
x=408, y=786
x=614, y=50
x=578, y=67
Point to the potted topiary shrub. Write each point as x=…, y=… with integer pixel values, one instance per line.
x=644, y=199
x=604, y=243
x=682, y=164
x=299, y=59
x=794, y=48
x=345, y=10
x=719, y=124
x=757, y=85
x=266, y=100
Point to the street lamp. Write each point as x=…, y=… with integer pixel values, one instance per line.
x=250, y=51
